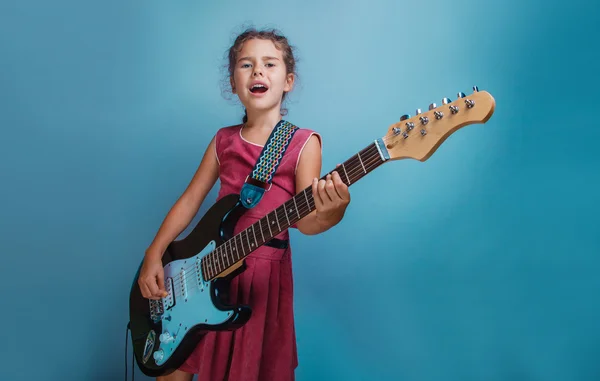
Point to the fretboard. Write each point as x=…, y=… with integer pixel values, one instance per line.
x=285, y=215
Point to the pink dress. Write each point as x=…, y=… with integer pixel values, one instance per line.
x=264, y=349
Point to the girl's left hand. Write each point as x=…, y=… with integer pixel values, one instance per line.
x=331, y=198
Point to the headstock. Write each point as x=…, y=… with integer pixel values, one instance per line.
x=420, y=136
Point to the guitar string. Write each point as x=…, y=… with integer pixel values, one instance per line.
x=190, y=277
x=280, y=216
x=190, y=272
x=367, y=162
x=370, y=159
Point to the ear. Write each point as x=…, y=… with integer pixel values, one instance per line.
x=289, y=82
x=232, y=82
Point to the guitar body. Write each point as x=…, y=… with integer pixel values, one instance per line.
x=165, y=332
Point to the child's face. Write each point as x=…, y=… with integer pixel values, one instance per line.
x=260, y=62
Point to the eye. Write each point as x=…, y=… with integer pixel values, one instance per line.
x=270, y=64
x=246, y=65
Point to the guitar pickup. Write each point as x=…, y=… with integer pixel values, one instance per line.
x=182, y=284
x=169, y=300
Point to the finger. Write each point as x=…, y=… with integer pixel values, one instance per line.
x=145, y=292
x=316, y=196
x=323, y=191
x=330, y=189
x=161, y=284
x=152, y=286
x=340, y=187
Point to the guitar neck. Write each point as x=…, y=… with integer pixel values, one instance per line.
x=287, y=214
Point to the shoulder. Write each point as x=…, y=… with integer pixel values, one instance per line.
x=309, y=148
x=227, y=132
x=307, y=137
x=222, y=137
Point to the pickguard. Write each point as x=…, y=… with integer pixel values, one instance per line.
x=188, y=304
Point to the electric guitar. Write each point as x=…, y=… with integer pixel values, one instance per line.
x=199, y=267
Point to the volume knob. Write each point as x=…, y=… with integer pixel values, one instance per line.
x=158, y=355
x=166, y=337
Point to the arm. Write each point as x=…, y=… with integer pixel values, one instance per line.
x=188, y=204
x=331, y=195
x=151, y=277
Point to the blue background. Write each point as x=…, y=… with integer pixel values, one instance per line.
x=478, y=264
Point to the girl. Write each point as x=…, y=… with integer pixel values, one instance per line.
x=265, y=347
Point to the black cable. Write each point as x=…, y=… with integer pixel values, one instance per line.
x=132, y=354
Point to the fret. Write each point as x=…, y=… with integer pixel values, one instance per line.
x=361, y=162
x=269, y=225
x=217, y=258
x=296, y=206
x=254, y=234
x=291, y=208
x=346, y=173
x=231, y=251
x=226, y=254
x=218, y=261
x=307, y=202
x=286, y=215
x=252, y=243
x=222, y=252
x=213, y=267
x=247, y=239
x=210, y=267
x=261, y=231
x=233, y=248
x=219, y=254
x=277, y=219
x=243, y=252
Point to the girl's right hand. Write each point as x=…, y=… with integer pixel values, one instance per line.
x=151, y=278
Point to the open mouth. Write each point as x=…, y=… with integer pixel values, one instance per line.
x=258, y=88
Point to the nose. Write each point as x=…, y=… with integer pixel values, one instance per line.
x=257, y=71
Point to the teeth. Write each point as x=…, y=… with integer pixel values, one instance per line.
x=258, y=85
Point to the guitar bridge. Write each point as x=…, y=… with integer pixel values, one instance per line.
x=156, y=310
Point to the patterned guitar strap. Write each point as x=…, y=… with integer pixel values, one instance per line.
x=259, y=180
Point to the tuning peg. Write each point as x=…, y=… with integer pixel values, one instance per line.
x=445, y=101
x=404, y=117
x=418, y=111
x=432, y=106
x=460, y=94
x=475, y=88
